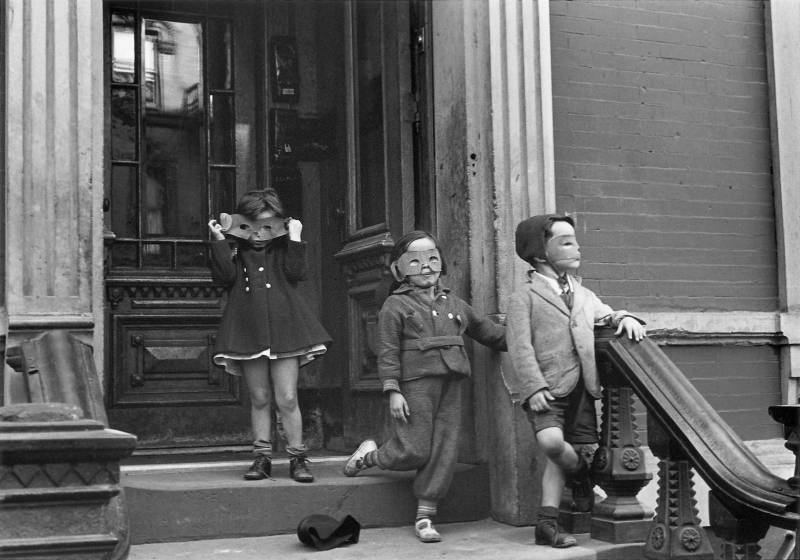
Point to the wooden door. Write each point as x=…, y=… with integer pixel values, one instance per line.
x=387, y=191
x=181, y=97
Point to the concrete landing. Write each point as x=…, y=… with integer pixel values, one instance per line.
x=212, y=501
x=484, y=539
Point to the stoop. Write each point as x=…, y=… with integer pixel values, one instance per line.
x=211, y=501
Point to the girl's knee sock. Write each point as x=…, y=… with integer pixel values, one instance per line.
x=262, y=447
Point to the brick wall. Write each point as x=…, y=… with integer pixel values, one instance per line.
x=739, y=382
x=662, y=151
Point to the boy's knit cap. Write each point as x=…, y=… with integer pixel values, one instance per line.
x=530, y=235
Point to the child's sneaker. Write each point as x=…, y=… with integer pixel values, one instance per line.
x=425, y=531
x=356, y=461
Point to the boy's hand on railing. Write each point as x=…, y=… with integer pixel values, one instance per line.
x=399, y=407
x=540, y=401
x=633, y=328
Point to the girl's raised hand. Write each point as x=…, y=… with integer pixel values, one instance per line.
x=216, y=229
x=295, y=228
x=398, y=407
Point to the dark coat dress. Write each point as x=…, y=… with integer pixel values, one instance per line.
x=265, y=309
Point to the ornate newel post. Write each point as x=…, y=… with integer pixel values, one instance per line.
x=60, y=491
x=676, y=532
x=619, y=469
x=789, y=416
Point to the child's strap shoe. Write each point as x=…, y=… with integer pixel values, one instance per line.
x=356, y=461
x=425, y=532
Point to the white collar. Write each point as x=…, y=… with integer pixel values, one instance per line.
x=555, y=285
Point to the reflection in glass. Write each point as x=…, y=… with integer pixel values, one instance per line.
x=220, y=56
x=156, y=255
x=123, y=201
x=123, y=123
x=222, y=126
x=123, y=48
x=369, y=91
x=174, y=154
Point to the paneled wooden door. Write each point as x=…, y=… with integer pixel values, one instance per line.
x=390, y=188
x=181, y=93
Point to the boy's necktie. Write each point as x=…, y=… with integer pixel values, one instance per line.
x=566, y=293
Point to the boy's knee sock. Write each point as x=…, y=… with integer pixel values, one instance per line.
x=424, y=512
x=547, y=513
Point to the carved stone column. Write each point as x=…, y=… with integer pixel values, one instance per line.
x=676, y=532
x=619, y=469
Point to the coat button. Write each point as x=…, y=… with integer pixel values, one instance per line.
x=247, y=288
x=261, y=269
x=449, y=315
x=268, y=285
x=435, y=313
x=246, y=279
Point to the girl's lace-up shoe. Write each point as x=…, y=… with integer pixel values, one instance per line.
x=260, y=469
x=298, y=469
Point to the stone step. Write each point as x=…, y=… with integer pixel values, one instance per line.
x=184, y=502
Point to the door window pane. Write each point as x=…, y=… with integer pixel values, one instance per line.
x=219, y=55
x=174, y=159
x=157, y=255
x=223, y=185
x=123, y=201
x=222, y=127
x=369, y=91
x=123, y=123
x=123, y=48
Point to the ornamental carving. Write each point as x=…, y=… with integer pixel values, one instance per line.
x=57, y=475
x=657, y=537
x=630, y=459
x=690, y=538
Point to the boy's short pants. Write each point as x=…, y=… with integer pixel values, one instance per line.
x=574, y=413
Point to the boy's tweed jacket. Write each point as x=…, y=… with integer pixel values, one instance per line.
x=549, y=344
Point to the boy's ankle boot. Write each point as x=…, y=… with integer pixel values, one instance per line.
x=549, y=533
x=298, y=469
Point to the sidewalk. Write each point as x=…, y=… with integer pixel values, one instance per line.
x=479, y=540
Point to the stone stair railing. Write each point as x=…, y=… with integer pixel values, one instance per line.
x=685, y=434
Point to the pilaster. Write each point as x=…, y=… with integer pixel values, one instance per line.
x=509, y=171
x=53, y=167
x=782, y=19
